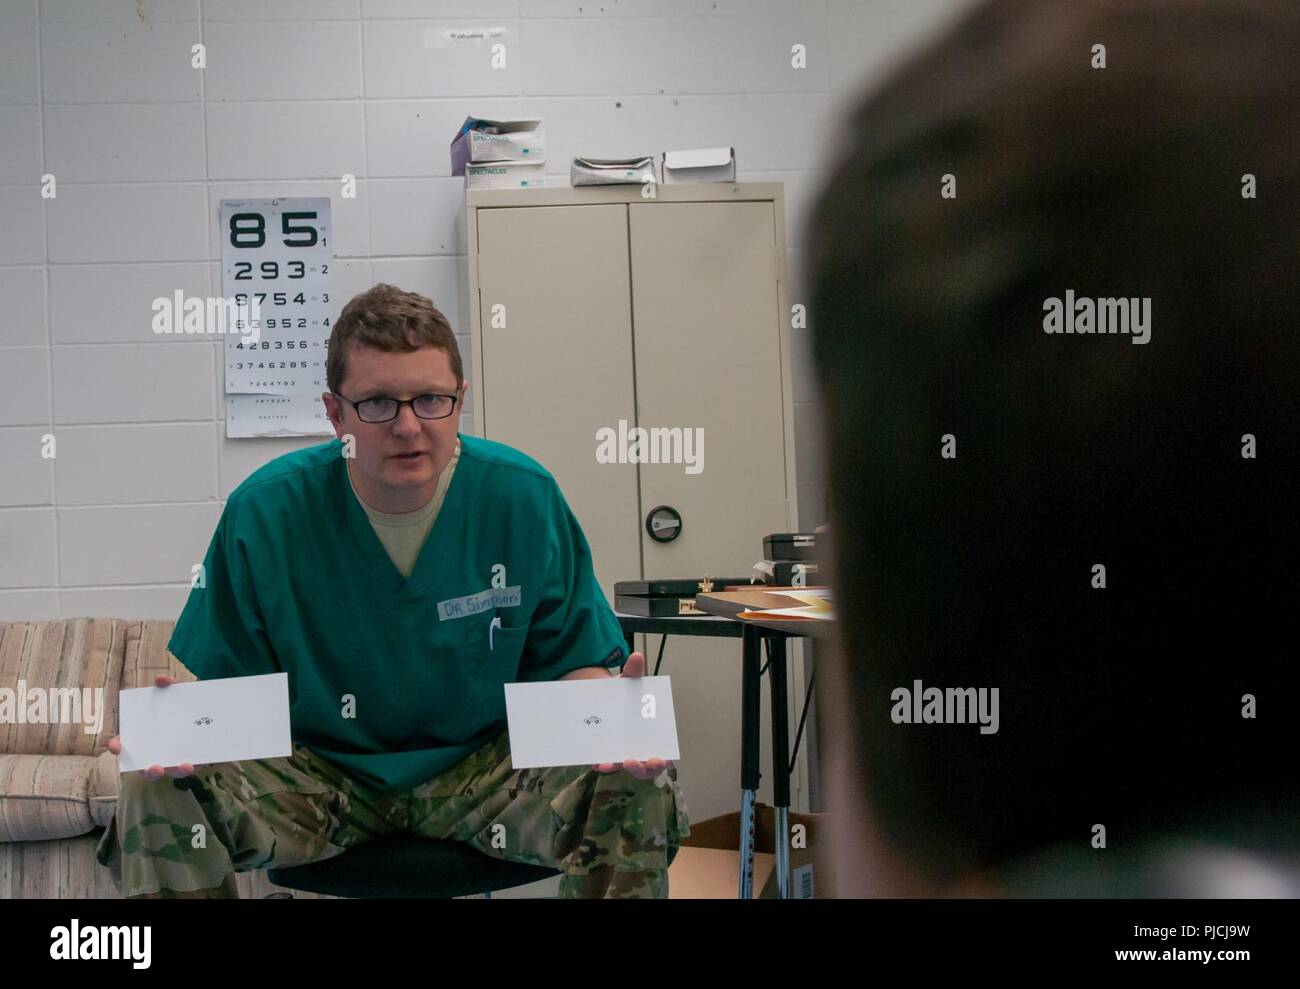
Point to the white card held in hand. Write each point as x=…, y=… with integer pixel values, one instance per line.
x=204, y=722
x=585, y=722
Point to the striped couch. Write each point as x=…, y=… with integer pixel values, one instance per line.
x=59, y=784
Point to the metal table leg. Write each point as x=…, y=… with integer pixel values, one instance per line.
x=780, y=762
x=749, y=755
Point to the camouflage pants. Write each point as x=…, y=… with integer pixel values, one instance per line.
x=611, y=835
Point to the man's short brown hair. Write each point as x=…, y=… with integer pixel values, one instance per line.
x=387, y=318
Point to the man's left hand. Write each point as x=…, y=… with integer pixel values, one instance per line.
x=643, y=770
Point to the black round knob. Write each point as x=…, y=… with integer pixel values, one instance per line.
x=663, y=523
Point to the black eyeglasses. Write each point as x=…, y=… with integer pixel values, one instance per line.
x=383, y=409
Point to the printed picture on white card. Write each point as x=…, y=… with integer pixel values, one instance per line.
x=276, y=260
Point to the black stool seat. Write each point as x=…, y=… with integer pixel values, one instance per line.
x=407, y=866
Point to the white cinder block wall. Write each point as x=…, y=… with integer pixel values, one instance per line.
x=296, y=93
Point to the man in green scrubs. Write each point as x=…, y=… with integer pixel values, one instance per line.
x=400, y=575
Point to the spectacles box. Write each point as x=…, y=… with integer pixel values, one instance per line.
x=481, y=140
x=505, y=175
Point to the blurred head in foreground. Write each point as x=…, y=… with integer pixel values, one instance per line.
x=1056, y=317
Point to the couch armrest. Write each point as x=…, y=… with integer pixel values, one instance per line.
x=46, y=796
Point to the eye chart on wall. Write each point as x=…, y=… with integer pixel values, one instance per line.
x=276, y=259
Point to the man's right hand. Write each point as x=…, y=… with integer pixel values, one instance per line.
x=156, y=772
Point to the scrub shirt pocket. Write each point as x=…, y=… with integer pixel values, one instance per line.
x=492, y=658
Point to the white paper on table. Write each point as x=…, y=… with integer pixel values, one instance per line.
x=206, y=721
x=817, y=614
x=813, y=595
x=816, y=605
x=584, y=722
x=818, y=598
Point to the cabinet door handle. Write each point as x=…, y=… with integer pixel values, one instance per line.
x=663, y=523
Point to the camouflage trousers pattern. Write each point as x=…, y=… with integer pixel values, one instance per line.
x=610, y=835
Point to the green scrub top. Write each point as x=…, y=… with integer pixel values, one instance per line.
x=297, y=581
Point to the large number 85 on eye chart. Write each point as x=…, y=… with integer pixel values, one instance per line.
x=276, y=263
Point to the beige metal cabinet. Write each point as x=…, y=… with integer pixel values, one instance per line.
x=594, y=305
x=553, y=356
x=708, y=353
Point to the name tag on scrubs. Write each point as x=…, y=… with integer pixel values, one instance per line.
x=472, y=604
x=205, y=721
x=583, y=722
